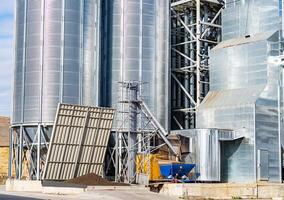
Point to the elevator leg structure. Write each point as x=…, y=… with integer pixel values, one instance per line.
x=136, y=136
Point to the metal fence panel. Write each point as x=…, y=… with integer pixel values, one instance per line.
x=78, y=142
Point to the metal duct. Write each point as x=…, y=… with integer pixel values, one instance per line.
x=205, y=150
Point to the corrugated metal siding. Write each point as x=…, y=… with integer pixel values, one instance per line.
x=243, y=98
x=247, y=17
x=56, y=57
x=139, y=51
x=267, y=137
x=79, y=140
x=226, y=98
x=246, y=64
x=237, y=163
x=266, y=124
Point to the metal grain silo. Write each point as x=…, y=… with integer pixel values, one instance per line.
x=56, y=60
x=138, y=36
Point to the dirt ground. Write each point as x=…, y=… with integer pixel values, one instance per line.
x=93, y=179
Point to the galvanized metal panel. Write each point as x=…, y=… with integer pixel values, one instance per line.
x=205, y=150
x=238, y=162
x=162, y=72
x=245, y=57
x=226, y=98
x=78, y=142
x=139, y=48
x=244, y=98
x=20, y=32
x=262, y=165
x=247, y=17
x=57, y=43
x=267, y=122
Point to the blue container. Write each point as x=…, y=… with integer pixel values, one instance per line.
x=175, y=168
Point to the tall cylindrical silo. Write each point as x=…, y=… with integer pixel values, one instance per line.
x=56, y=60
x=162, y=73
x=56, y=57
x=138, y=34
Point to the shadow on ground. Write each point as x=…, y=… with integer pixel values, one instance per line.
x=13, y=197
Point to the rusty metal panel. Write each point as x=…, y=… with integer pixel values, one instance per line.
x=78, y=142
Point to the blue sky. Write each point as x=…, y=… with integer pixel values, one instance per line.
x=6, y=56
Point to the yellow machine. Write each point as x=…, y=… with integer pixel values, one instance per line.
x=148, y=164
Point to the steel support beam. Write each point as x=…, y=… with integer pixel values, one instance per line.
x=184, y=89
x=195, y=29
x=11, y=153
x=133, y=136
x=38, y=170
x=28, y=144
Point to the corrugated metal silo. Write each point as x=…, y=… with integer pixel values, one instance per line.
x=139, y=41
x=56, y=57
x=57, y=52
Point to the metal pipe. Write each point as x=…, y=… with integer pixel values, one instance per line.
x=184, y=90
x=81, y=52
x=62, y=41
x=132, y=135
x=205, y=82
x=98, y=53
x=198, y=48
x=184, y=24
x=116, y=163
x=192, y=75
x=280, y=95
x=23, y=65
x=41, y=60
x=187, y=76
x=179, y=57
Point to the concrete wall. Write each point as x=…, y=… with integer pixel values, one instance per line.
x=224, y=191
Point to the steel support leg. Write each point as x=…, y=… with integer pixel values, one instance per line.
x=38, y=151
x=11, y=154
x=20, y=153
